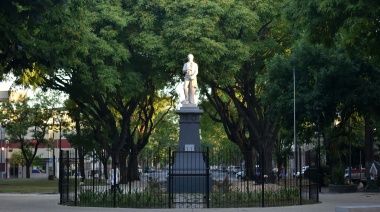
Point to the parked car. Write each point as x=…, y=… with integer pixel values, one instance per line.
x=304, y=168
x=64, y=173
x=357, y=176
x=240, y=175
x=281, y=175
x=233, y=169
x=213, y=168
x=36, y=171
x=222, y=168
x=149, y=169
x=140, y=169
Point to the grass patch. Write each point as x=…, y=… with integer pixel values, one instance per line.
x=25, y=185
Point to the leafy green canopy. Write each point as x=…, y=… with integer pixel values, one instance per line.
x=92, y=51
x=354, y=27
x=325, y=78
x=230, y=41
x=23, y=117
x=111, y=57
x=354, y=24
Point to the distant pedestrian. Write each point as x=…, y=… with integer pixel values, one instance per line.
x=114, y=179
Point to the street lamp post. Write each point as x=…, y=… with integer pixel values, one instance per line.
x=6, y=158
x=1, y=162
x=349, y=134
x=2, y=153
x=60, y=151
x=60, y=138
x=53, y=147
x=54, y=163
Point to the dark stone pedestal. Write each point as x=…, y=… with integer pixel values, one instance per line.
x=189, y=173
x=189, y=125
x=191, y=184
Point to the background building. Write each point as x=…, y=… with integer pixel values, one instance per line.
x=47, y=160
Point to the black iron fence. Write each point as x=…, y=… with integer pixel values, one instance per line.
x=191, y=179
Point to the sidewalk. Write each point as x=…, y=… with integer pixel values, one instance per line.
x=49, y=202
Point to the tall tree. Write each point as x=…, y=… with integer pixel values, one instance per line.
x=17, y=159
x=327, y=78
x=81, y=137
x=94, y=54
x=22, y=118
x=116, y=80
x=21, y=52
x=113, y=55
x=230, y=41
x=352, y=24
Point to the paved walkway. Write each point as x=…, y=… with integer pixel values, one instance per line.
x=49, y=202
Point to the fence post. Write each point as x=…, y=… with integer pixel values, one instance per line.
x=68, y=174
x=300, y=177
x=169, y=186
x=93, y=170
x=309, y=181
x=285, y=172
x=262, y=177
x=76, y=178
x=319, y=171
x=207, y=179
x=60, y=177
x=114, y=160
x=130, y=173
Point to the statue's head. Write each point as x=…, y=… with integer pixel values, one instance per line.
x=190, y=57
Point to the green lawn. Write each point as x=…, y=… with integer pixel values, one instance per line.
x=24, y=185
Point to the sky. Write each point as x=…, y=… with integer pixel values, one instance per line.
x=4, y=86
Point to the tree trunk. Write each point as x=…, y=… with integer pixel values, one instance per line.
x=81, y=152
x=81, y=164
x=123, y=166
x=279, y=166
x=267, y=157
x=27, y=170
x=105, y=172
x=250, y=161
x=133, y=171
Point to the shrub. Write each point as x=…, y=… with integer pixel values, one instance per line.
x=312, y=173
x=337, y=176
x=224, y=185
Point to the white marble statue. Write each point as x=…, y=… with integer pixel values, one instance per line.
x=191, y=70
